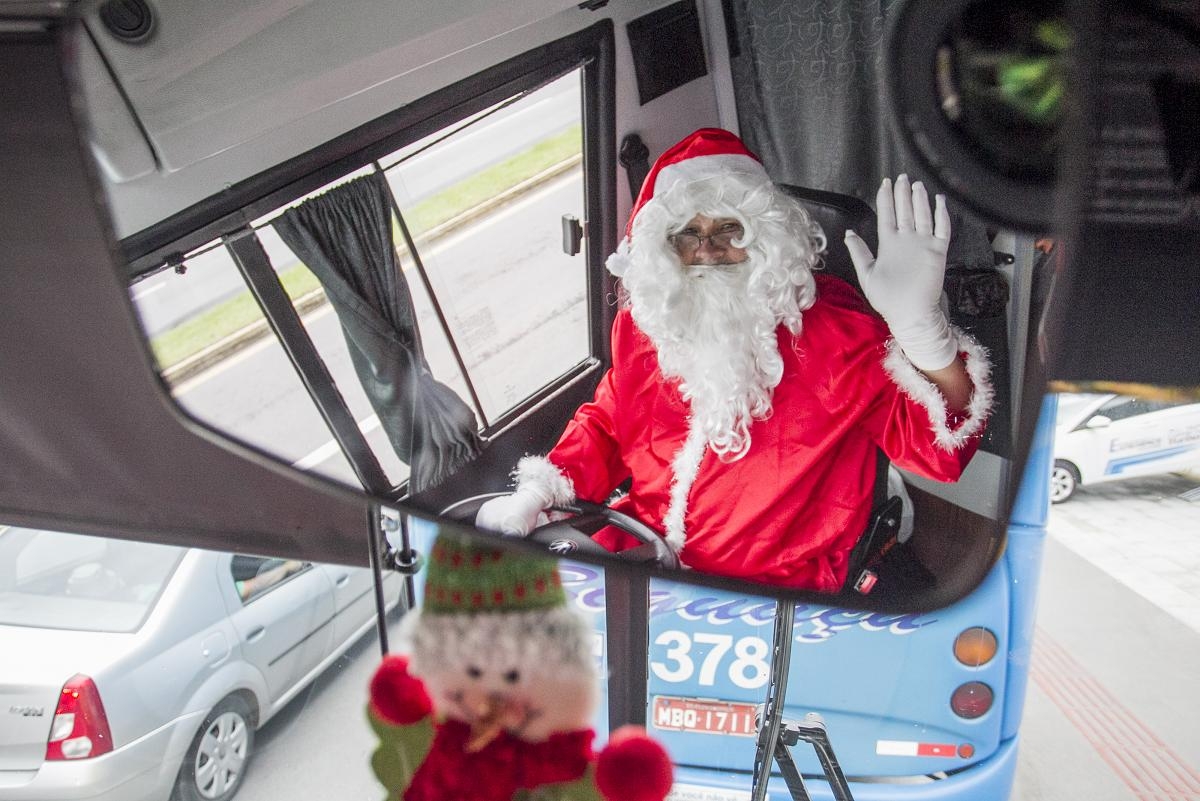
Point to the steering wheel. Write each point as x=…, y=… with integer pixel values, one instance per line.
x=572, y=535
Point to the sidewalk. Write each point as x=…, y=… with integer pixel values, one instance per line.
x=1145, y=533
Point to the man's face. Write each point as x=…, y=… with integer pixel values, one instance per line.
x=706, y=241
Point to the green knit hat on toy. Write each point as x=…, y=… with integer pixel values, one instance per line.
x=486, y=604
x=467, y=575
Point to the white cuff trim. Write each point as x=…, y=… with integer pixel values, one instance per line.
x=541, y=472
x=920, y=389
x=684, y=466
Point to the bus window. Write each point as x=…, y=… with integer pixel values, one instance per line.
x=501, y=349
x=488, y=231
x=499, y=310
x=215, y=352
x=474, y=289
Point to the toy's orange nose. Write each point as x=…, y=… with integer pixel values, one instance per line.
x=492, y=713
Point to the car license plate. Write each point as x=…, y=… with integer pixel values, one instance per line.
x=703, y=716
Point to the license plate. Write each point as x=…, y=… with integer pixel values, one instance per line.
x=703, y=716
x=694, y=792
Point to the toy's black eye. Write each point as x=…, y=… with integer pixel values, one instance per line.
x=512, y=676
x=474, y=672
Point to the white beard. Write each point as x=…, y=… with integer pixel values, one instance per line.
x=714, y=327
x=717, y=339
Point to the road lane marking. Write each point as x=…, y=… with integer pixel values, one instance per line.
x=330, y=448
x=138, y=294
x=1149, y=767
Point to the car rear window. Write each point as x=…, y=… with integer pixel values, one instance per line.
x=56, y=580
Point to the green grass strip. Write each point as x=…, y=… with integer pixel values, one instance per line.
x=214, y=324
x=454, y=200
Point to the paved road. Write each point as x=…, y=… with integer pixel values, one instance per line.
x=1113, y=712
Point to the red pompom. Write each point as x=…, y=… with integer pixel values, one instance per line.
x=633, y=767
x=396, y=696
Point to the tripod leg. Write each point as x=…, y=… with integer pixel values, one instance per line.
x=791, y=774
x=833, y=771
x=772, y=710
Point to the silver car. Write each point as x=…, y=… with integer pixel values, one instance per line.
x=131, y=671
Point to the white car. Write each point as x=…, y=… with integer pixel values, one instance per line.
x=138, y=672
x=1110, y=437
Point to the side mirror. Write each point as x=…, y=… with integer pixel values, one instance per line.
x=1098, y=421
x=1017, y=110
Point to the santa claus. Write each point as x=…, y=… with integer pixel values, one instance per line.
x=748, y=391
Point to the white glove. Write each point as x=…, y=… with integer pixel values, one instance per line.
x=904, y=283
x=517, y=514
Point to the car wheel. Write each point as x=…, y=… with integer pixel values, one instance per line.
x=216, y=761
x=1063, y=481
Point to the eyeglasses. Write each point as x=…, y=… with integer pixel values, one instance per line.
x=687, y=242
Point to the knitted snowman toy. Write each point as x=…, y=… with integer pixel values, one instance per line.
x=495, y=700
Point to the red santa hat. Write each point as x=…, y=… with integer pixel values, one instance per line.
x=701, y=155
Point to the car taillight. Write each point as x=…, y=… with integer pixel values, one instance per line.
x=971, y=700
x=80, y=727
x=975, y=646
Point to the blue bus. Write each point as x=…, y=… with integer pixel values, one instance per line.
x=916, y=705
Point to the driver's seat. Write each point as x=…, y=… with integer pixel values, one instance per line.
x=836, y=213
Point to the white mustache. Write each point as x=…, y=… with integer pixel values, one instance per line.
x=702, y=270
x=714, y=259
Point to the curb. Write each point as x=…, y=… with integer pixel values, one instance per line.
x=306, y=304
x=223, y=348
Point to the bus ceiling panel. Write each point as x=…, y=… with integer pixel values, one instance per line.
x=117, y=142
x=212, y=75
x=213, y=102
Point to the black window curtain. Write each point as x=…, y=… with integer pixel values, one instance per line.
x=345, y=237
x=809, y=95
x=809, y=92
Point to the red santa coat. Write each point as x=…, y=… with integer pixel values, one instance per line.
x=790, y=510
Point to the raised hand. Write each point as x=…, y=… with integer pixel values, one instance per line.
x=904, y=282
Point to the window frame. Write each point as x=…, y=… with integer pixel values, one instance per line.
x=246, y=600
x=229, y=217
